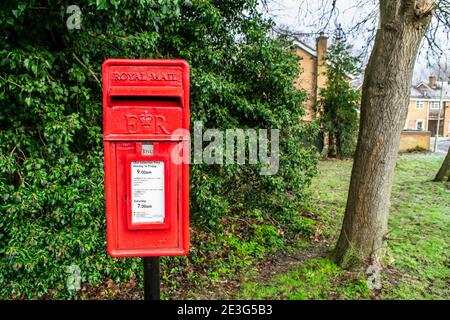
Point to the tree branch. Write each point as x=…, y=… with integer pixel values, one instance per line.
x=86, y=67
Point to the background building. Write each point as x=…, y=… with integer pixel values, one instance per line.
x=426, y=105
x=314, y=72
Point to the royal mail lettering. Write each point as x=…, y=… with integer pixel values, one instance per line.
x=145, y=76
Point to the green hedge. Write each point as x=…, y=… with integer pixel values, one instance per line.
x=52, y=212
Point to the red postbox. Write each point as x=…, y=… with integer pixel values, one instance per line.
x=145, y=109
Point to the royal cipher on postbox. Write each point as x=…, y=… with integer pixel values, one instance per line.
x=145, y=108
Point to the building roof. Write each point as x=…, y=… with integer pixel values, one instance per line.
x=313, y=52
x=431, y=93
x=357, y=83
x=416, y=93
x=304, y=47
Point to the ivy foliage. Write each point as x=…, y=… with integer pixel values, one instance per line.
x=339, y=102
x=52, y=213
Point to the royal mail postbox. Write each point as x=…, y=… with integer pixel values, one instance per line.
x=145, y=109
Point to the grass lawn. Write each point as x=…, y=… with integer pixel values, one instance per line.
x=417, y=263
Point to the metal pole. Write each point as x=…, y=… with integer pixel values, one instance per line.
x=439, y=112
x=151, y=278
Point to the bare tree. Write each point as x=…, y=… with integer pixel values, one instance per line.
x=384, y=102
x=398, y=28
x=362, y=22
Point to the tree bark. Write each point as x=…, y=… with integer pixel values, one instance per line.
x=444, y=172
x=384, y=107
x=332, y=144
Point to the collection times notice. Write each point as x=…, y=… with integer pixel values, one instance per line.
x=147, y=192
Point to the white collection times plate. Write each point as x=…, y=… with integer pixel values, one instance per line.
x=147, y=192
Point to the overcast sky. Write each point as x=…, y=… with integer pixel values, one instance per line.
x=307, y=17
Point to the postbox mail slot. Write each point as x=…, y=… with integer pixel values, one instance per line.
x=139, y=101
x=150, y=92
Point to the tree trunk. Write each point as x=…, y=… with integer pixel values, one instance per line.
x=384, y=107
x=444, y=172
x=339, y=145
x=332, y=145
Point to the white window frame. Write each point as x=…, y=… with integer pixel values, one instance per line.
x=417, y=124
x=420, y=104
x=433, y=104
x=448, y=129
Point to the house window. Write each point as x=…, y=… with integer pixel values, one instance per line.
x=448, y=126
x=419, y=104
x=419, y=125
x=435, y=105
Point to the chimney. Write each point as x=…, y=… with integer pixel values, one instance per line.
x=432, y=82
x=321, y=47
x=321, y=63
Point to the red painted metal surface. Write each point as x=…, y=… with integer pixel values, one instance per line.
x=144, y=102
